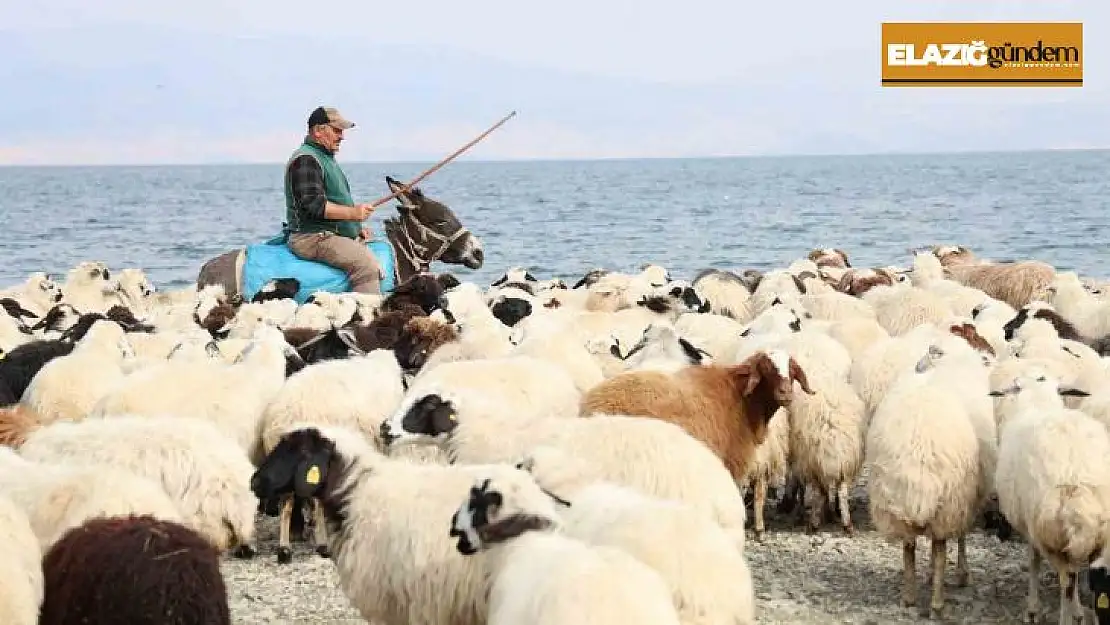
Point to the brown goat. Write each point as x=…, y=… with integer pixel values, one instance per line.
x=419, y=338
x=725, y=407
x=967, y=332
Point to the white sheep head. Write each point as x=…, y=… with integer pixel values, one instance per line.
x=42, y=288
x=659, y=343
x=1039, y=389
x=514, y=274
x=92, y=273
x=654, y=274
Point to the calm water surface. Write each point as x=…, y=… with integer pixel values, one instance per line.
x=563, y=218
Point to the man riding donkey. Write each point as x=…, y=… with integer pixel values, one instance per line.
x=323, y=222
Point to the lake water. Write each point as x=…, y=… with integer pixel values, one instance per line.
x=563, y=218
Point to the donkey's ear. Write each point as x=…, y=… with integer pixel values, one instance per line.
x=395, y=185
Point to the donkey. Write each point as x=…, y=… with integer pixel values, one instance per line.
x=425, y=231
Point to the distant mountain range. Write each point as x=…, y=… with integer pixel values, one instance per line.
x=127, y=95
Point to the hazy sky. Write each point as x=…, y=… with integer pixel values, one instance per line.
x=143, y=82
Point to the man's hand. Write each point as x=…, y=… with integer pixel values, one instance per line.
x=364, y=211
x=365, y=234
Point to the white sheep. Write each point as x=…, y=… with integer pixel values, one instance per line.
x=60, y=497
x=90, y=288
x=726, y=293
x=926, y=479
x=38, y=293
x=770, y=465
x=1050, y=490
x=541, y=575
x=206, y=474
x=21, y=577
x=136, y=291
x=836, y=306
x=521, y=386
x=571, y=356
x=232, y=397
x=67, y=387
x=901, y=307
x=618, y=448
x=709, y=579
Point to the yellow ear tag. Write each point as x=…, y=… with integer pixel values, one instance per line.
x=452, y=416
x=1103, y=601
x=313, y=475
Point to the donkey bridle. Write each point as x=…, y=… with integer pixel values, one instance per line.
x=421, y=263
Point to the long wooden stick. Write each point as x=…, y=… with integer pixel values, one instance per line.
x=431, y=170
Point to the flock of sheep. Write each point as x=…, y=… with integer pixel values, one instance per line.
x=529, y=452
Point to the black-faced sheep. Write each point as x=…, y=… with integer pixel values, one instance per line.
x=137, y=570
x=726, y=407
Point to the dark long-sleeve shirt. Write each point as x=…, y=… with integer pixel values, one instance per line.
x=307, y=183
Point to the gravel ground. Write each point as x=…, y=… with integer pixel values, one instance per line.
x=799, y=578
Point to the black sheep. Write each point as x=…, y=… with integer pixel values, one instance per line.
x=137, y=570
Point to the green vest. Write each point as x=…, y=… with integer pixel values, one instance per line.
x=336, y=188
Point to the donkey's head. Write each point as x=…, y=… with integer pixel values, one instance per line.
x=430, y=231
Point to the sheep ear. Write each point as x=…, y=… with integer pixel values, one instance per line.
x=1073, y=392
x=615, y=348
x=747, y=377
x=693, y=354
x=799, y=376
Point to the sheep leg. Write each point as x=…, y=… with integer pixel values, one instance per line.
x=760, y=488
x=909, y=576
x=815, y=502
x=1071, y=611
x=319, y=530
x=790, y=494
x=1032, y=602
x=940, y=554
x=962, y=573
x=285, y=551
x=845, y=510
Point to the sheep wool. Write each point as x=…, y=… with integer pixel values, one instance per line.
x=20, y=568
x=204, y=472
x=541, y=575
x=134, y=569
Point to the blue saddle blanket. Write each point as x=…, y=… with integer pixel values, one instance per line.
x=273, y=259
